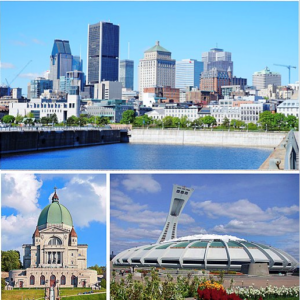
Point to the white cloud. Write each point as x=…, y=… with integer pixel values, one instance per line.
x=141, y=183
x=240, y=210
x=31, y=75
x=18, y=43
x=4, y=65
x=276, y=227
x=85, y=197
x=38, y=42
x=21, y=192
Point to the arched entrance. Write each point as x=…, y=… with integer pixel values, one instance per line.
x=83, y=283
x=74, y=280
x=21, y=284
x=52, y=281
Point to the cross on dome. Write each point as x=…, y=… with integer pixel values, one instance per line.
x=55, y=197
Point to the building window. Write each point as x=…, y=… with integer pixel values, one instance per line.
x=63, y=280
x=42, y=280
x=31, y=280
x=55, y=241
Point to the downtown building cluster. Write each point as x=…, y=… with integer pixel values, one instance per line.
x=166, y=87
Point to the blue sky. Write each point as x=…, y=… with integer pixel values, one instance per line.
x=257, y=207
x=258, y=34
x=25, y=195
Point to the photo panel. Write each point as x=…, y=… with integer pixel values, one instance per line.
x=242, y=229
x=53, y=229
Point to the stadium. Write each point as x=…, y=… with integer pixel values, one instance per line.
x=205, y=251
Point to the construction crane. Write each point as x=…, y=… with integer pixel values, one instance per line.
x=9, y=84
x=289, y=67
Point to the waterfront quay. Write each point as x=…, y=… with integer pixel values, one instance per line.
x=14, y=140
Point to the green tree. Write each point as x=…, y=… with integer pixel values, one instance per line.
x=19, y=119
x=81, y=121
x=72, y=121
x=176, y=121
x=2, y=284
x=168, y=121
x=53, y=119
x=8, y=119
x=103, y=283
x=266, y=120
x=279, y=121
x=209, y=121
x=252, y=126
x=10, y=260
x=226, y=122
x=30, y=115
x=198, y=122
x=128, y=117
x=45, y=120
x=141, y=121
x=292, y=122
x=184, y=121
x=102, y=120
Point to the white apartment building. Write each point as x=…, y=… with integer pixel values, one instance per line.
x=263, y=78
x=221, y=112
x=250, y=112
x=191, y=112
x=42, y=107
x=289, y=108
x=108, y=90
x=156, y=114
x=157, y=68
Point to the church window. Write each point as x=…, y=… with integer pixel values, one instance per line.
x=54, y=241
x=31, y=280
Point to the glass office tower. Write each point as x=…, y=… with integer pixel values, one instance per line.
x=61, y=60
x=103, y=52
x=188, y=73
x=126, y=73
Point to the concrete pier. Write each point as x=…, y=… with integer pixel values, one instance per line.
x=36, y=140
x=207, y=138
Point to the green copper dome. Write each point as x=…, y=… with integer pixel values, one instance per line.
x=157, y=48
x=55, y=213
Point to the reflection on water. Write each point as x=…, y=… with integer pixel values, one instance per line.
x=139, y=156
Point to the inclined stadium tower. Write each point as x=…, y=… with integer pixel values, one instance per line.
x=204, y=251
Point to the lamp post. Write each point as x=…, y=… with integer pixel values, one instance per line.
x=266, y=127
x=178, y=125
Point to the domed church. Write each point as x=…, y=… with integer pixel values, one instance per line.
x=54, y=257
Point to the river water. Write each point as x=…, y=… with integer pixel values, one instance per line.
x=139, y=157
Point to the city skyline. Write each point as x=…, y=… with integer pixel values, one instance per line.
x=25, y=195
x=251, y=51
x=231, y=204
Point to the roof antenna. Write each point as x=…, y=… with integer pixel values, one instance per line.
x=128, y=50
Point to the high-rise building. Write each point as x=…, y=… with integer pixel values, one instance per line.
x=103, y=52
x=157, y=68
x=72, y=79
x=217, y=58
x=213, y=80
x=126, y=73
x=38, y=86
x=77, y=63
x=61, y=61
x=263, y=78
x=188, y=73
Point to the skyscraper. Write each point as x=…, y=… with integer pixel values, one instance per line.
x=126, y=73
x=188, y=73
x=103, y=52
x=61, y=61
x=38, y=86
x=217, y=58
x=157, y=68
x=77, y=63
x=263, y=78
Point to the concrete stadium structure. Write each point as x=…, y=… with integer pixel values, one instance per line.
x=205, y=251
